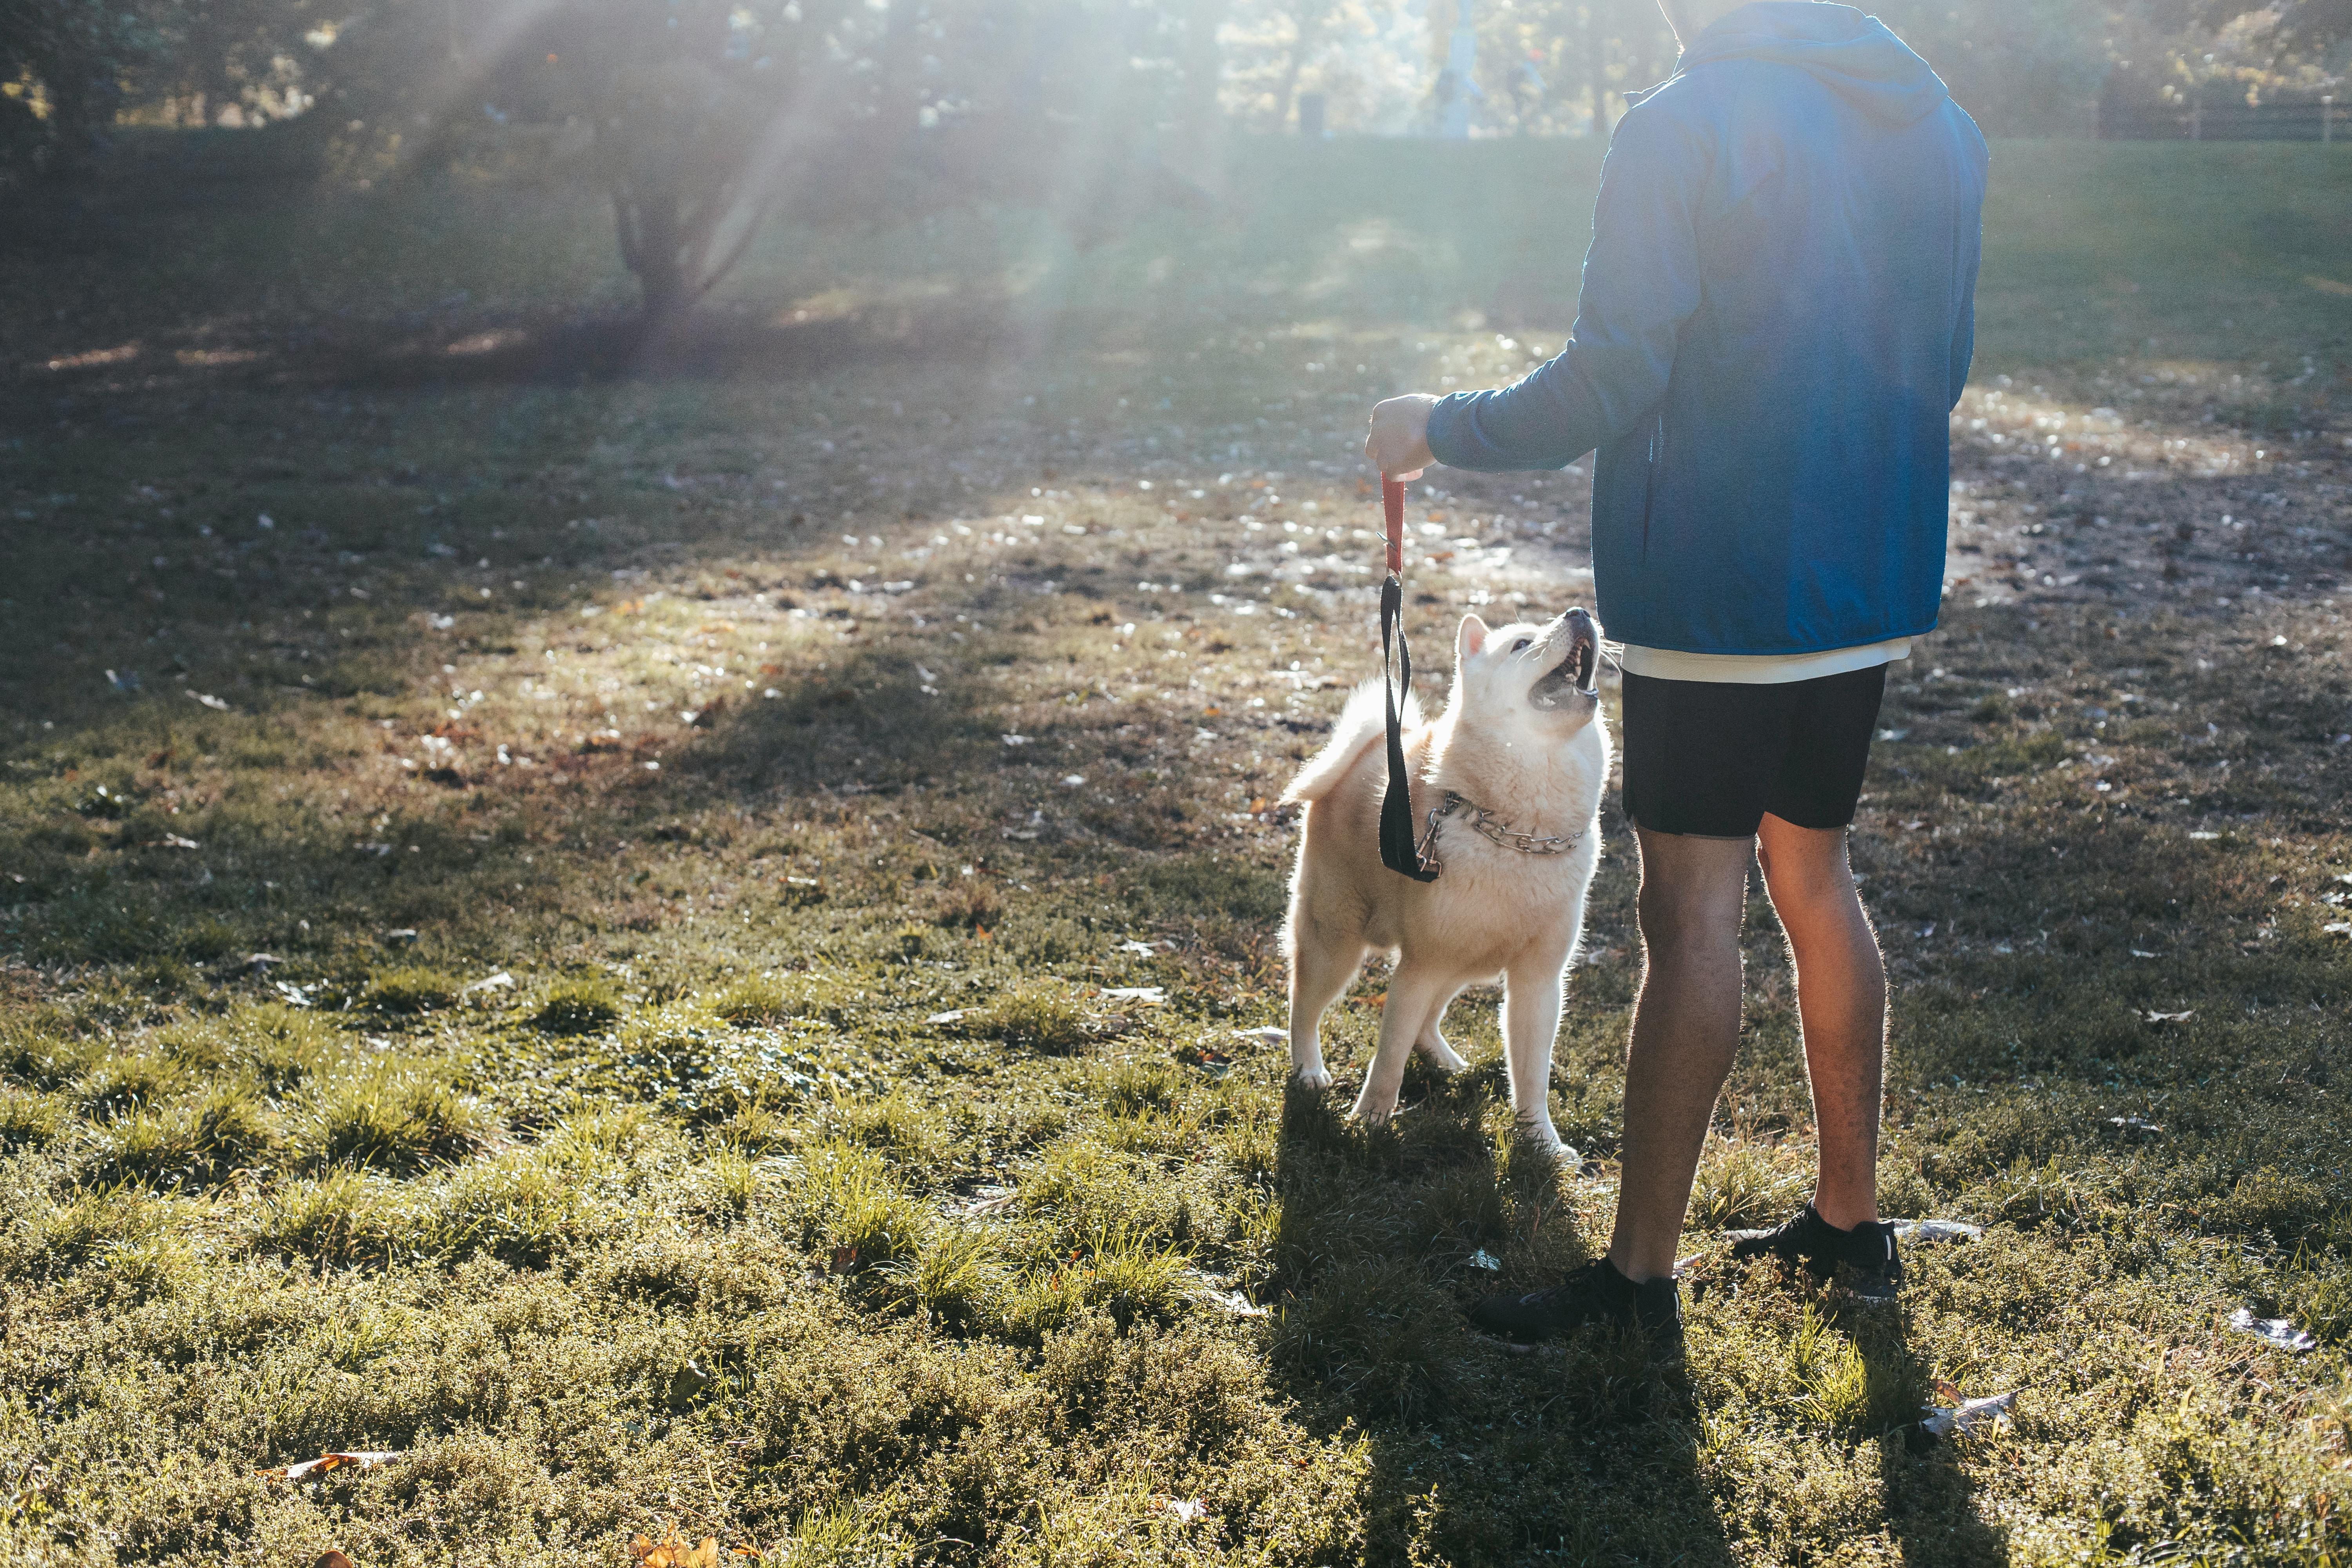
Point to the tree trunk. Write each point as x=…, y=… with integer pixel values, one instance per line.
x=647, y=226
x=1199, y=154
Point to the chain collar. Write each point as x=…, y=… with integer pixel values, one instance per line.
x=1485, y=823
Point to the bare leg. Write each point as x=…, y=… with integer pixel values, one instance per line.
x=1842, y=1003
x=1685, y=1032
x=1320, y=969
x=1412, y=993
x=1432, y=1043
x=1530, y=1023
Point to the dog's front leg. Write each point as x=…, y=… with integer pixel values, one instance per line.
x=1412, y=993
x=1531, y=1002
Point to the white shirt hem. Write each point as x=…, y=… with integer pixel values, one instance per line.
x=1761, y=670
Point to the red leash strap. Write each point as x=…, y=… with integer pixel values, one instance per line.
x=1393, y=503
x=1399, y=852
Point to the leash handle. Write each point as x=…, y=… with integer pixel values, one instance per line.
x=1400, y=850
x=1393, y=503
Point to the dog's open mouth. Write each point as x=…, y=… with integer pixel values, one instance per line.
x=1575, y=676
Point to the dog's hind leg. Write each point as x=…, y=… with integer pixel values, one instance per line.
x=1320, y=968
x=1412, y=993
x=1432, y=1043
x=1531, y=1001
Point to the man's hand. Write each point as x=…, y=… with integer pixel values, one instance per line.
x=1399, y=443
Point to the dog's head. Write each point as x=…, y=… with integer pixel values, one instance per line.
x=1542, y=678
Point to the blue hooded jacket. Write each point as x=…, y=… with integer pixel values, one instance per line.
x=1777, y=320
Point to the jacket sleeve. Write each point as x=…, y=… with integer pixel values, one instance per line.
x=1967, y=258
x=1641, y=284
x=1964, y=319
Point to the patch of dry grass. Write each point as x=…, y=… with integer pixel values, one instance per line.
x=630, y=1114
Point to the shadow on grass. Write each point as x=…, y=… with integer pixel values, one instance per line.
x=99, y=874
x=715, y=344
x=872, y=724
x=1930, y=1503
x=1589, y=1451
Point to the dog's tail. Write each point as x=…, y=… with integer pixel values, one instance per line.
x=1362, y=723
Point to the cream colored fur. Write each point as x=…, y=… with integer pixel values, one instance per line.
x=1492, y=911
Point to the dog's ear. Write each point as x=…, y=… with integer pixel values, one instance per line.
x=1470, y=638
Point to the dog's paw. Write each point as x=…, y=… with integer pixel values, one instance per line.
x=1369, y=1111
x=1318, y=1078
x=1542, y=1140
x=1441, y=1057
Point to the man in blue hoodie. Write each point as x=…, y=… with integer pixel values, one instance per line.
x=1777, y=320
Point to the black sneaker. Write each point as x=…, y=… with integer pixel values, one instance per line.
x=1875, y=1270
x=1596, y=1293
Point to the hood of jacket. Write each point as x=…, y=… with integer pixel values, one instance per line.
x=1854, y=54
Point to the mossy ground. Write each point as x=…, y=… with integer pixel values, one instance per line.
x=587, y=949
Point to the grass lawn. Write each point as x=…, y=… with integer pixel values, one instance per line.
x=695, y=947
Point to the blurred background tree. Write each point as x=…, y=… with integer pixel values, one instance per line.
x=699, y=119
x=68, y=68
x=2022, y=68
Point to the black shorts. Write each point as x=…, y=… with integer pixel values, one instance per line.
x=1708, y=759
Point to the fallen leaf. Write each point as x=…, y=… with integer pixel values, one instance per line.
x=174, y=841
x=1482, y=1258
x=1968, y=1414
x=1185, y=1509
x=688, y=1381
x=1265, y=1032
x=953, y=1015
x=2160, y=1019
x=2277, y=1330
x=991, y=1200
x=209, y=700
x=1149, y=995
x=365, y=1460
x=672, y=1552
x=2132, y=1126
x=1141, y=949
x=1234, y=1301
x=1922, y=1232
x=502, y=981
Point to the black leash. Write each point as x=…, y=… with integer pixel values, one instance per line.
x=1399, y=852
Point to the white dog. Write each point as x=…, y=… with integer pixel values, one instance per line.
x=1513, y=774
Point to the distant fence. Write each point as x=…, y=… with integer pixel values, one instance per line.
x=2239, y=122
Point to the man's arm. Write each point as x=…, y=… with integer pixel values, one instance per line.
x=1964, y=328
x=1641, y=284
